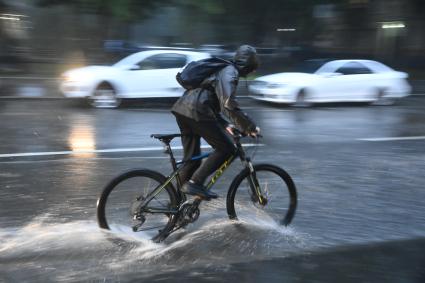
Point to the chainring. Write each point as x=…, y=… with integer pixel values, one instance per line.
x=189, y=213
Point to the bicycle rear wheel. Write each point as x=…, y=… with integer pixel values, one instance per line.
x=121, y=201
x=276, y=186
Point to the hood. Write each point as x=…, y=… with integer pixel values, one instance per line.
x=89, y=73
x=246, y=60
x=89, y=69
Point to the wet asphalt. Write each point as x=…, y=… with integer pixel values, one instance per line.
x=359, y=171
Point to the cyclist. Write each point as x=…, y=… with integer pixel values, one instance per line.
x=199, y=115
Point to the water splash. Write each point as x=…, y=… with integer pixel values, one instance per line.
x=80, y=250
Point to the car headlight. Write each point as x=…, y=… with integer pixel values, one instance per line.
x=75, y=77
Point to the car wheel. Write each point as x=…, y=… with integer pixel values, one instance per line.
x=381, y=99
x=105, y=96
x=301, y=99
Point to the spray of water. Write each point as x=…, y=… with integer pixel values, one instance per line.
x=80, y=250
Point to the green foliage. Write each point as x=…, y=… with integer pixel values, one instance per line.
x=125, y=10
x=206, y=6
x=253, y=19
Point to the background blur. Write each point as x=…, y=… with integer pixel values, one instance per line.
x=47, y=37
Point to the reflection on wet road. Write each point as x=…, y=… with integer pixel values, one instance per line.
x=81, y=140
x=360, y=216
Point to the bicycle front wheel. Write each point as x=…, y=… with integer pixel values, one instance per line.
x=276, y=186
x=120, y=208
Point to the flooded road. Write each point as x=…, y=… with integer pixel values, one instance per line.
x=358, y=170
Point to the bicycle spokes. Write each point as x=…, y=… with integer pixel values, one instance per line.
x=127, y=209
x=265, y=193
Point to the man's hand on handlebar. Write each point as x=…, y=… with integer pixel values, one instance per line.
x=255, y=133
x=231, y=129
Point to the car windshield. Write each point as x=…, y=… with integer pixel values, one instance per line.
x=129, y=60
x=311, y=66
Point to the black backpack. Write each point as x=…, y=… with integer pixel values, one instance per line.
x=196, y=72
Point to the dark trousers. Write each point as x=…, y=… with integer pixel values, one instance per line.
x=215, y=135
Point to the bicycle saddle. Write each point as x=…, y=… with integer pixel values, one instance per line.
x=165, y=138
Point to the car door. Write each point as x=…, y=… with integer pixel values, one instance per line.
x=155, y=76
x=325, y=87
x=354, y=82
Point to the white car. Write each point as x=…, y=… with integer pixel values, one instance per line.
x=334, y=81
x=143, y=74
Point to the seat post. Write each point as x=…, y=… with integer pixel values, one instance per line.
x=166, y=139
x=170, y=152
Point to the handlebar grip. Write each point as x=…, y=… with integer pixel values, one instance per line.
x=238, y=133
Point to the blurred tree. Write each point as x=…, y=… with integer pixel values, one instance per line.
x=233, y=20
x=256, y=21
x=113, y=19
x=206, y=6
x=124, y=10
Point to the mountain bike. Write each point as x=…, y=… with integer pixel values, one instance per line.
x=143, y=200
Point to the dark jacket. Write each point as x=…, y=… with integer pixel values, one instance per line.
x=216, y=97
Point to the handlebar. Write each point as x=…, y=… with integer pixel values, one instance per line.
x=238, y=134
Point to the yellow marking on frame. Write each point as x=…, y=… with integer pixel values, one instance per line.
x=220, y=171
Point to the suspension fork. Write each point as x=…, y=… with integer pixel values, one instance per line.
x=252, y=176
x=254, y=184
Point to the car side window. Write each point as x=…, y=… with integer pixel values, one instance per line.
x=163, y=61
x=353, y=68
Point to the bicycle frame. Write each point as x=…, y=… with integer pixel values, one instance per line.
x=253, y=182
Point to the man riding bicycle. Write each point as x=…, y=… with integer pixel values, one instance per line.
x=199, y=115
x=154, y=201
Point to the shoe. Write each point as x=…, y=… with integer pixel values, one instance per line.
x=192, y=188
